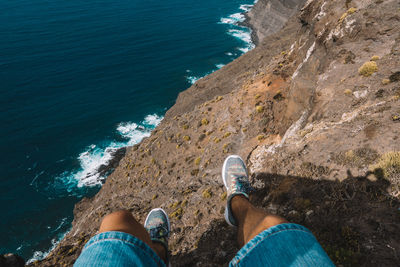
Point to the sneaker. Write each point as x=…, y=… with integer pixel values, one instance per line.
x=235, y=177
x=158, y=226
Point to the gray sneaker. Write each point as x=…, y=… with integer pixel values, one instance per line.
x=235, y=177
x=158, y=226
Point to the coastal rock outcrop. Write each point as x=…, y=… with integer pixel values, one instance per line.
x=320, y=139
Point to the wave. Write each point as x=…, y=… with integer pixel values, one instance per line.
x=39, y=255
x=91, y=160
x=96, y=156
x=244, y=35
x=237, y=29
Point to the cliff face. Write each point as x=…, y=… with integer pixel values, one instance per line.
x=318, y=128
x=269, y=16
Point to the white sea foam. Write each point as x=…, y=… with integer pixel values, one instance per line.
x=219, y=65
x=237, y=30
x=245, y=7
x=192, y=79
x=39, y=255
x=233, y=19
x=243, y=34
x=152, y=120
x=96, y=156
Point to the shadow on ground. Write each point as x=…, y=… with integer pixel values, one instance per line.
x=356, y=221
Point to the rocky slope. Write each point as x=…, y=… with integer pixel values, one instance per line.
x=317, y=126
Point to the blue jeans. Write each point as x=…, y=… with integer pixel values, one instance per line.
x=285, y=244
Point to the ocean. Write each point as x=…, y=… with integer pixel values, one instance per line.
x=80, y=79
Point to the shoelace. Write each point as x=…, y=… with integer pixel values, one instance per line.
x=240, y=184
x=158, y=232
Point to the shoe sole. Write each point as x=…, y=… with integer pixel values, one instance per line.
x=224, y=167
x=166, y=216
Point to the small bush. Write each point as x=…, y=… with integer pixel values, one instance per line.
x=259, y=109
x=186, y=138
x=368, y=68
x=348, y=92
x=207, y=193
x=374, y=58
x=223, y=196
x=204, y=121
x=389, y=163
x=227, y=134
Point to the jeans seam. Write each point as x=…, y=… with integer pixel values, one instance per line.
x=131, y=243
x=271, y=234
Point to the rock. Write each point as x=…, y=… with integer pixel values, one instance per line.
x=117, y=155
x=11, y=260
x=395, y=77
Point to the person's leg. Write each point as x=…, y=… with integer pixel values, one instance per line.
x=123, y=221
x=251, y=220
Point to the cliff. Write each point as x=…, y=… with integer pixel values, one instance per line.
x=269, y=16
x=314, y=109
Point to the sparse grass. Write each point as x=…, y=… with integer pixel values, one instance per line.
x=217, y=140
x=227, y=134
x=304, y=132
x=174, y=205
x=389, y=163
x=186, y=138
x=197, y=161
x=218, y=98
x=257, y=96
x=207, y=193
x=348, y=92
x=374, y=58
x=385, y=81
x=368, y=68
x=177, y=213
x=360, y=157
x=259, y=109
x=184, y=203
x=260, y=137
x=223, y=196
x=348, y=12
x=185, y=127
x=204, y=121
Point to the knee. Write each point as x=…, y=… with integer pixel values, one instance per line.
x=115, y=220
x=118, y=215
x=272, y=220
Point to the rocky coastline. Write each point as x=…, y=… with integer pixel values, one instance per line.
x=314, y=109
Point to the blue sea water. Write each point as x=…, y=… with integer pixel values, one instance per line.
x=79, y=79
